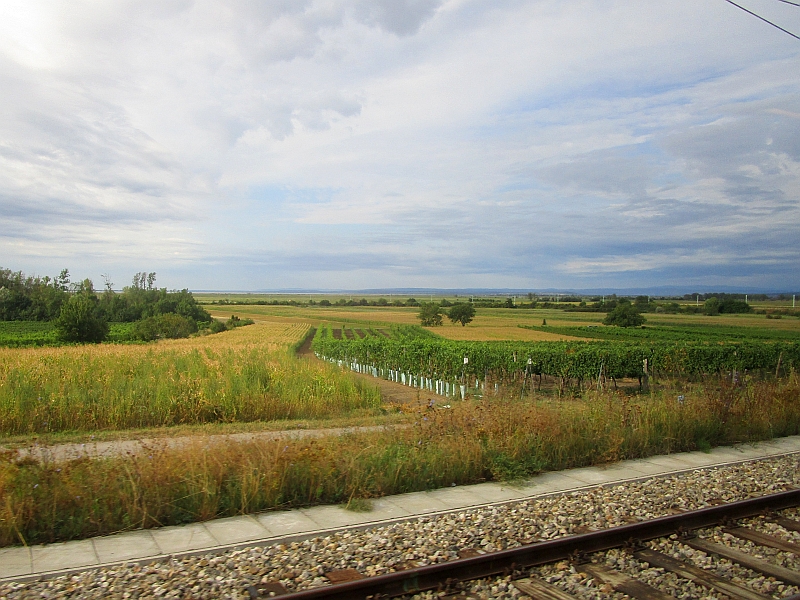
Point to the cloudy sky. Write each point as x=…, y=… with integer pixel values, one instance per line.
x=402, y=143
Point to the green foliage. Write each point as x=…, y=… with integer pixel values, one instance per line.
x=437, y=357
x=17, y=334
x=461, y=313
x=235, y=322
x=691, y=332
x=711, y=306
x=80, y=320
x=430, y=314
x=217, y=326
x=23, y=334
x=166, y=326
x=624, y=315
x=142, y=299
x=411, y=332
x=25, y=298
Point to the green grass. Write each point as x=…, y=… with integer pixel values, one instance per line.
x=497, y=439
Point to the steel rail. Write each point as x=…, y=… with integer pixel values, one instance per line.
x=436, y=576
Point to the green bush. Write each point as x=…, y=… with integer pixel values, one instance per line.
x=235, y=322
x=166, y=326
x=80, y=320
x=217, y=326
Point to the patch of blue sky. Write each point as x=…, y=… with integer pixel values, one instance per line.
x=550, y=106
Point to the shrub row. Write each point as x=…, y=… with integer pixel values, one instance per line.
x=582, y=360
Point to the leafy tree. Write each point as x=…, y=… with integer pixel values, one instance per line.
x=27, y=298
x=461, y=313
x=80, y=320
x=711, y=306
x=430, y=314
x=624, y=315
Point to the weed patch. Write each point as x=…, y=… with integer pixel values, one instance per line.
x=473, y=441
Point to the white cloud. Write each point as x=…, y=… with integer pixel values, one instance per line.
x=436, y=141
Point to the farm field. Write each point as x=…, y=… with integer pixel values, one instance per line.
x=495, y=324
x=249, y=379
x=246, y=375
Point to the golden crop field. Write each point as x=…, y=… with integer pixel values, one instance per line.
x=490, y=324
x=248, y=374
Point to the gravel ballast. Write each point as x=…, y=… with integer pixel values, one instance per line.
x=428, y=540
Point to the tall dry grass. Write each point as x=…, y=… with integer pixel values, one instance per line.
x=472, y=442
x=247, y=374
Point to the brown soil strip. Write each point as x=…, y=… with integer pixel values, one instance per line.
x=305, y=348
x=337, y=334
x=62, y=452
x=348, y=333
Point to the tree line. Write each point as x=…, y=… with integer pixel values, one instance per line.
x=82, y=314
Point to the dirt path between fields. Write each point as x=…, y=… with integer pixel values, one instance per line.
x=391, y=393
x=105, y=449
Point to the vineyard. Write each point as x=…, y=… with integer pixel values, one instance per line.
x=684, y=333
x=24, y=334
x=436, y=363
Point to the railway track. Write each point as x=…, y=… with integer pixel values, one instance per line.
x=639, y=540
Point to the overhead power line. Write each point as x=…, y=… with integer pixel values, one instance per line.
x=789, y=2
x=763, y=19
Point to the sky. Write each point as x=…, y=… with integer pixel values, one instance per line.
x=326, y=144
